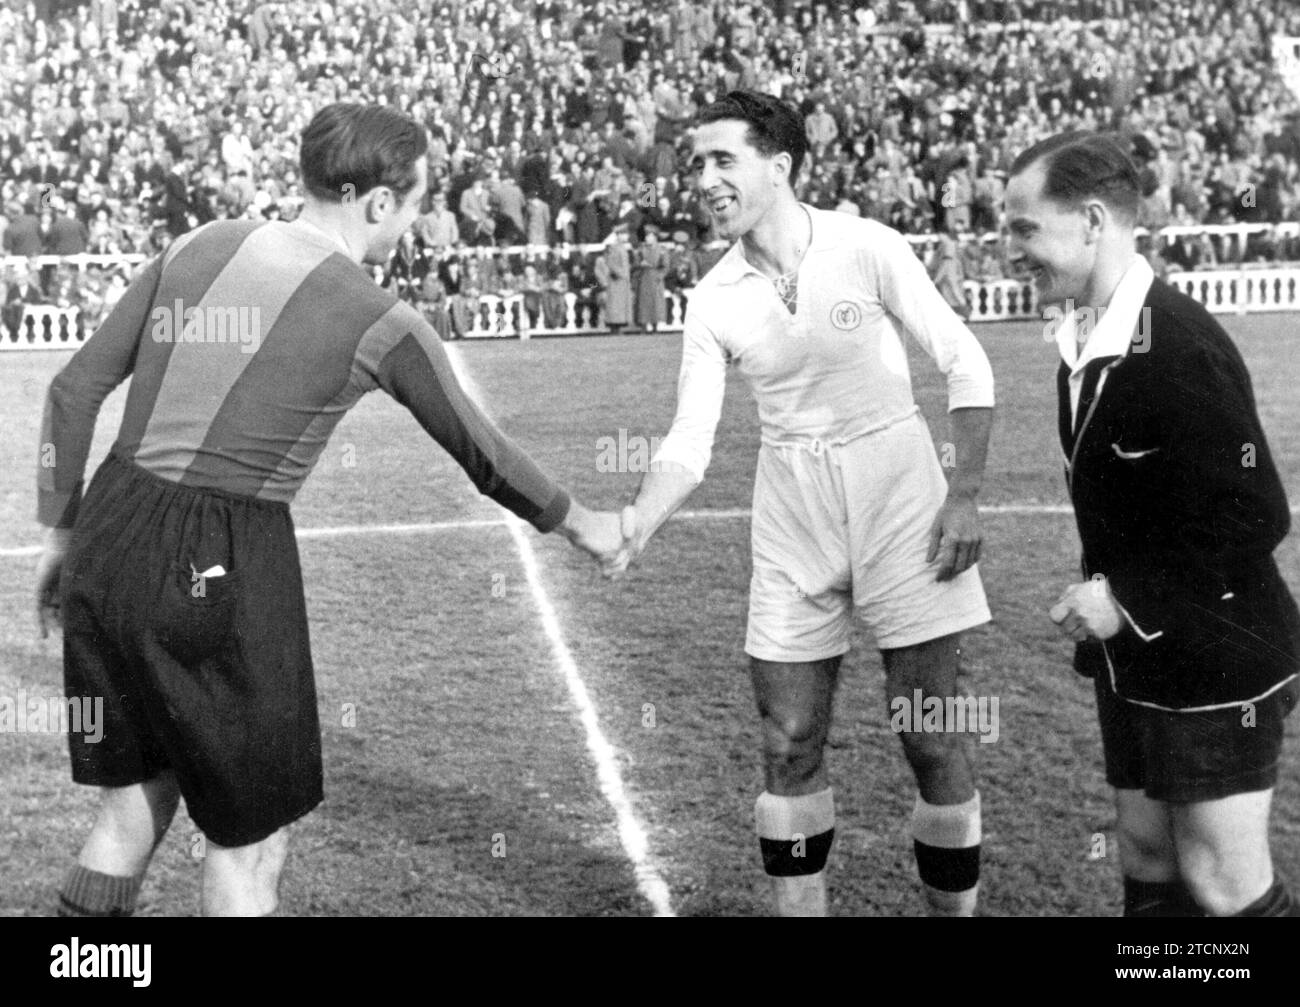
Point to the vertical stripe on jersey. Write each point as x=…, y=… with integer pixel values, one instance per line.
x=199, y=376
x=189, y=271
x=275, y=419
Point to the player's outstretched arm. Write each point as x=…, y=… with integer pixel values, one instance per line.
x=664, y=489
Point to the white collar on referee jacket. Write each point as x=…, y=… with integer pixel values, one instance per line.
x=1111, y=328
x=733, y=264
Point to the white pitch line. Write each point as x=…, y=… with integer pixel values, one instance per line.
x=631, y=832
x=395, y=529
x=430, y=527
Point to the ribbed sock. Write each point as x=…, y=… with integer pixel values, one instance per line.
x=946, y=839
x=1158, y=899
x=795, y=835
x=90, y=893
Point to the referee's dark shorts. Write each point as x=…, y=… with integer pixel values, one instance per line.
x=210, y=677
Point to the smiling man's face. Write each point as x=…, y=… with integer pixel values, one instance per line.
x=1047, y=239
x=733, y=178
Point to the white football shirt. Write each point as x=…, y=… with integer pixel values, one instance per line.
x=834, y=369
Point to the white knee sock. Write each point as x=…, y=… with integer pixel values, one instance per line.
x=795, y=834
x=947, y=846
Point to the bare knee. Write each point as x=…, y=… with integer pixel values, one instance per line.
x=130, y=823
x=792, y=750
x=1223, y=850
x=1146, y=853
x=1146, y=844
x=794, y=702
x=1221, y=885
x=932, y=752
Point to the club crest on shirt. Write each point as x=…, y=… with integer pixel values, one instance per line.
x=846, y=315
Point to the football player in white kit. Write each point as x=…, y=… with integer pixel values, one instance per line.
x=851, y=510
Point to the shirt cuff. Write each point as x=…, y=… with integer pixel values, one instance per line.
x=972, y=395
x=57, y=509
x=553, y=514
x=691, y=464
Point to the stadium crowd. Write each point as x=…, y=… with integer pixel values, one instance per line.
x=124, y=124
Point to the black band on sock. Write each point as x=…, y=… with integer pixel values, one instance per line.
x=947, y=869
x=1277, y=901
x=792, y=858
x=1162, y=899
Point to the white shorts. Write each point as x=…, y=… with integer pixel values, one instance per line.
x=845, y=526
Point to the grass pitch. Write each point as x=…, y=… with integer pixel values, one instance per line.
x=458, y=779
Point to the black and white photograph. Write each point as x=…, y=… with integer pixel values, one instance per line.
x=627, y=458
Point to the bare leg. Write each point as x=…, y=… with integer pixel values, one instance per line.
x=1223, y=850
x=795, y=816
x=131, y=822
x=946, y=817
x=244, y=880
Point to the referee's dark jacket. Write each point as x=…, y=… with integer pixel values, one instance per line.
x=1180, y=507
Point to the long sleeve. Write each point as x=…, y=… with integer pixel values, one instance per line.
x=76, y=394
x=415, y=371
x=701, y=387
x=908, y=294
x=1225, y=510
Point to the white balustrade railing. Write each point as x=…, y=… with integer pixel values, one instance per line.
x=1238, y=291
x=508, y=317
x=45, y=327
x=1255, y=288
x=1000, y=300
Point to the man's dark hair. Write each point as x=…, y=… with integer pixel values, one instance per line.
x=774, y=126
x=1084, y=165
x=349, y=149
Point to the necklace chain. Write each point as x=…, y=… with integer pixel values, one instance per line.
x=787, y=283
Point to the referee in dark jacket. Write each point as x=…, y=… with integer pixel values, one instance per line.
x=1182, y=618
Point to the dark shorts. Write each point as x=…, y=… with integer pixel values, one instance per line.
x=1191, y=757
x=210, y=677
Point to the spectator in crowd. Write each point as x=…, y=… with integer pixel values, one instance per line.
x=433, y=305
x=185, y=113
x=682, y=275
x=537, y=221
x=555, y=306
x=822, y=130
x=508, y=209
x=957, y=198
x=462, y=308
x=406, y=270
x=986, y=200
x=649, y=270
x=613, y=272
x=437, y=229
x=478, y=223
x=23, y=236
x=530, y=286
x=67, y=235
x=23, y=293
x=948, y=271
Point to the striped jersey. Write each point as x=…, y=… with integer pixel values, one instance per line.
x=246, y=343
